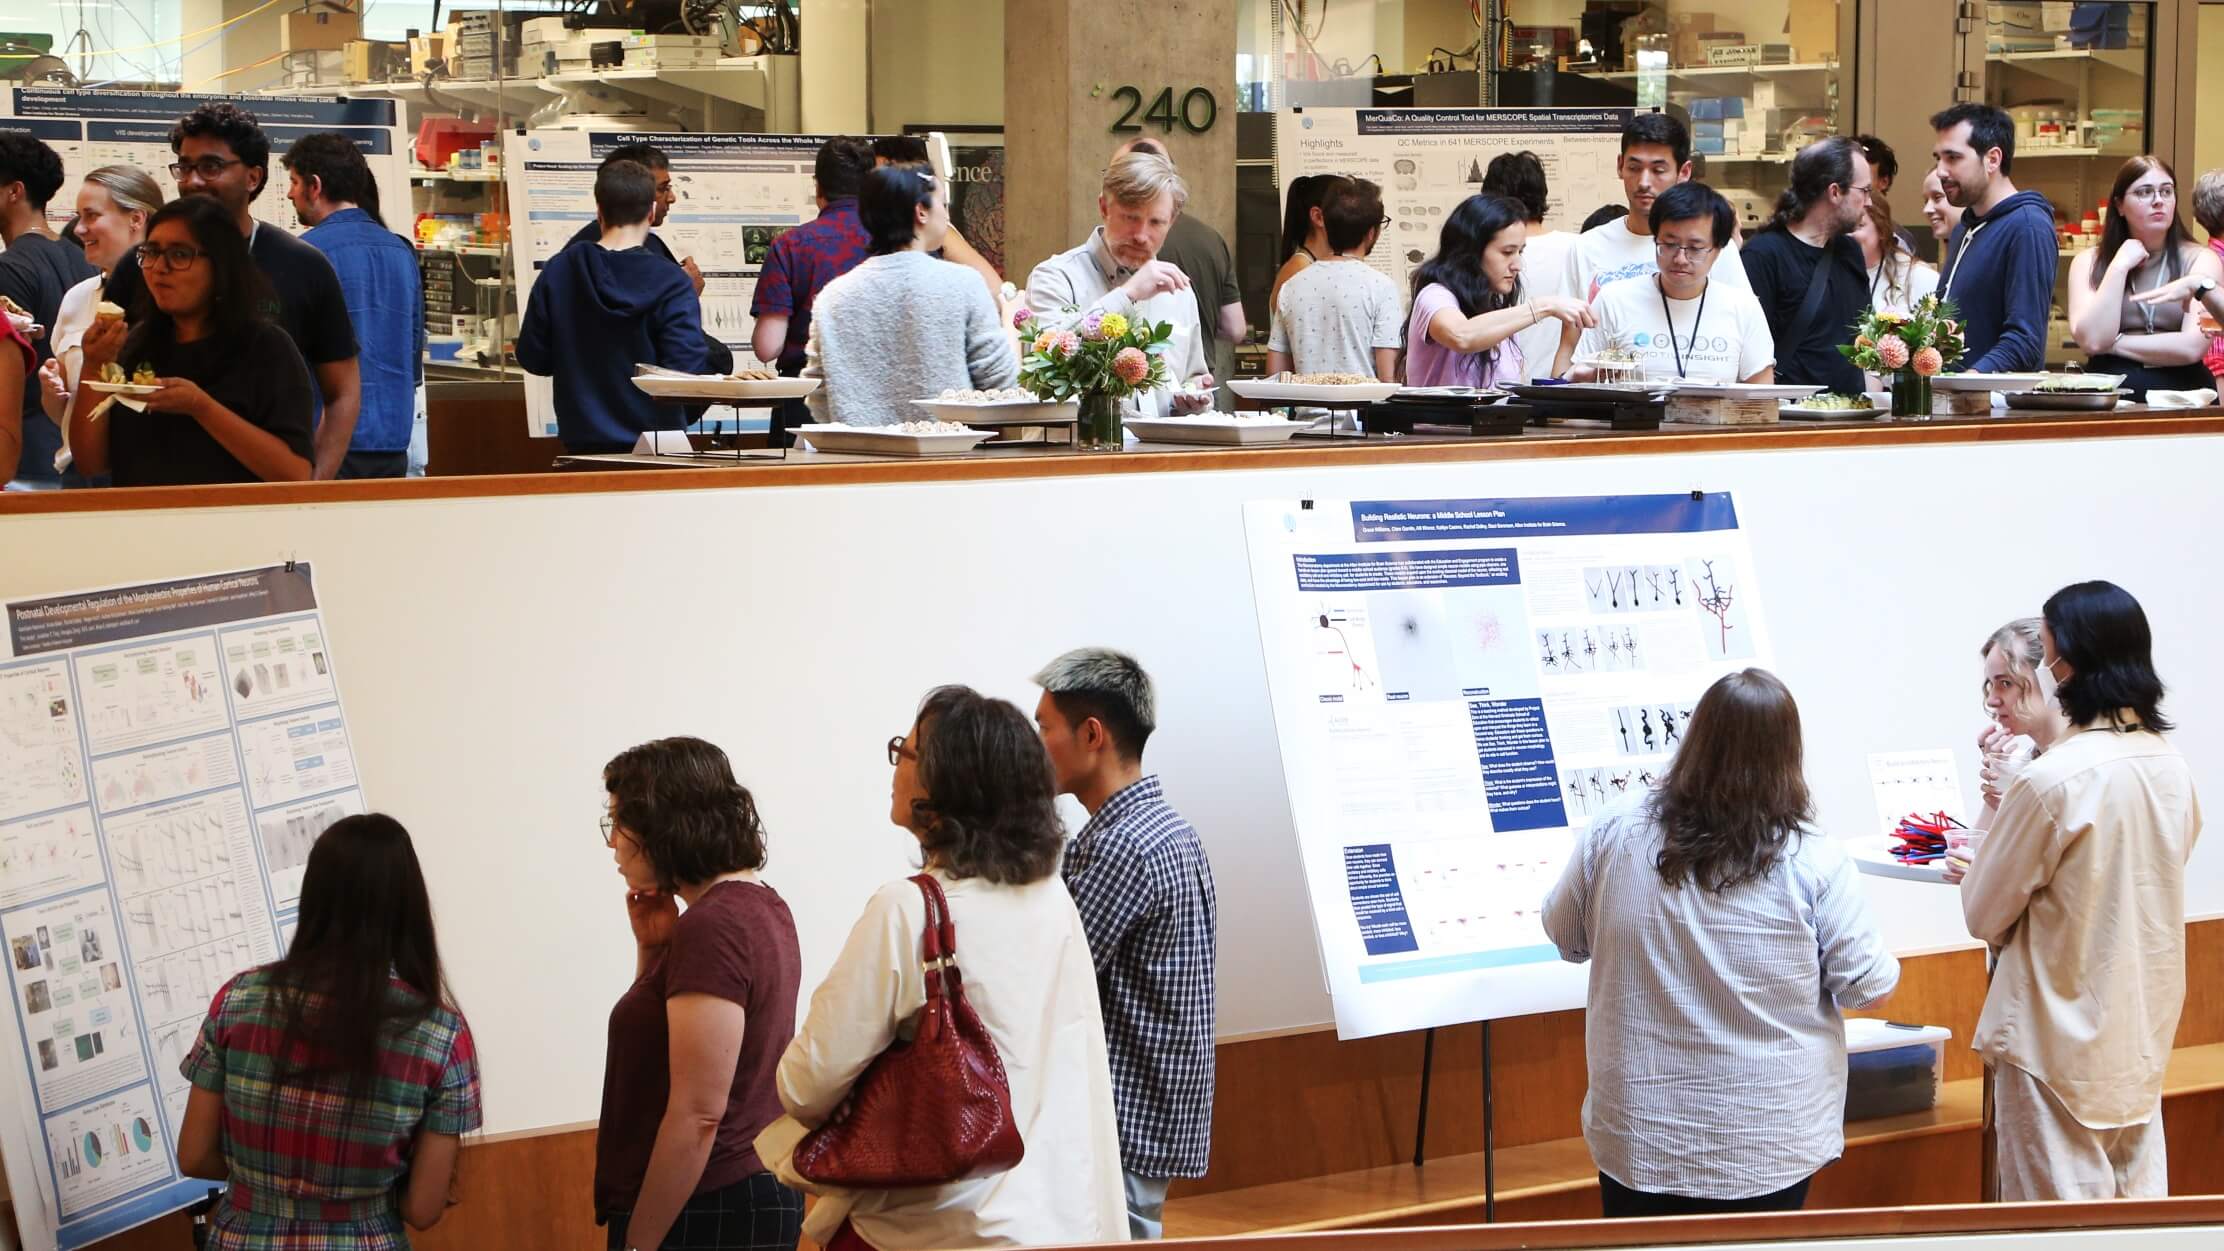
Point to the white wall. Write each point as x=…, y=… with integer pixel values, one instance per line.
x=493, y=653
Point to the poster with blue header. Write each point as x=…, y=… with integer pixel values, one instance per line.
x=1459, y=685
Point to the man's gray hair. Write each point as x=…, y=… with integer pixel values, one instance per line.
x=1101, y=675
x=2208, y=201
x=1140, y=178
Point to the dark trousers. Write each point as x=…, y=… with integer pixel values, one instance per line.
x=1620, y=1201
x=374, y=465
x=757, y=1213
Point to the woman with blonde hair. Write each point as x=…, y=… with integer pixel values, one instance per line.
x=1897, y=279
x=113, y=205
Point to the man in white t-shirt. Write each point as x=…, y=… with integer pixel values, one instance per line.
x=1681, y=322
x=1341, y=315
x=1519, y=176
x=1656, y=155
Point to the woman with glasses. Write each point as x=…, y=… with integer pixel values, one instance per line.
x=333, y=1088
x=232, y=401
x=2143, y=246
x=1678, y=323
x=1725, y=934
x=903, y=326
x=114, y=205
x=974, y=787
x=688, y=1075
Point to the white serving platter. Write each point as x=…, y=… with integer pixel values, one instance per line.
x=730, y=390
x=1217, y=428
x=882, y=441
x=1742, y=391
x=1809, y=411
x=1004, y=412
x=1272, y=392
x=1986, y=382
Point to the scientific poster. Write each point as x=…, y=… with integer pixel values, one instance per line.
x=89, y=129
x=1458, y=686
x=1428, y=160
x=168, y=752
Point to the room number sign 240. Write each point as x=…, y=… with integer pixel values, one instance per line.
x=1195, y=114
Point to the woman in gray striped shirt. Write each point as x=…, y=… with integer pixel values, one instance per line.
x=1725, y=934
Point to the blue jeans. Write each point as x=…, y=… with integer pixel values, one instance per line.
x=1146, y=1205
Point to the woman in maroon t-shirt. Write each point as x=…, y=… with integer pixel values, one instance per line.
x=694, y=1043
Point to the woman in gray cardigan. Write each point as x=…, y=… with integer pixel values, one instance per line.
x=903, y=325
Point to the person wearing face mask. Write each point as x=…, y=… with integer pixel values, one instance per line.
x=975, y=788
x=687, y=1081
x=903, y=326
x=2143, y=246
x=2080, y=888
x=2021, y=722
x=1468, y=306
x=1118, y=270
x=113, y=205
x=1679, y=322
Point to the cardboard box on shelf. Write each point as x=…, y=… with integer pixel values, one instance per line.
x=423, y=51
x=321, y=27
x=373, y=61
x=1812, y=30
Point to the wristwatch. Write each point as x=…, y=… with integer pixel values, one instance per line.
x=2202, y=286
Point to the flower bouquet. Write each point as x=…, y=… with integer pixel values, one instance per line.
x=1103, y=358
x=1912, y=347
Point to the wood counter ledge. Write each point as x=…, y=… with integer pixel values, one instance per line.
x=2132, y=422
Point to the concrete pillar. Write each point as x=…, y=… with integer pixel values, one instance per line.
x=837, y=67
x=1064, y=63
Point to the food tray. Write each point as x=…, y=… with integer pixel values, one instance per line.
x=1590, y=392
x=877, y=441
x=1220, y=428
x=1986, y=382
x=1741, y=391
x=2064, y=401
x=1803, y=412
x=133, y=389
x=996, y=413
x=1351, y=395
x=730, y=390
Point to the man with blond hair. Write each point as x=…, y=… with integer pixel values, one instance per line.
x=1117, y=270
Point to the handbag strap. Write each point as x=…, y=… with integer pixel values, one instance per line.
x=938, y=947
x=1818, y=285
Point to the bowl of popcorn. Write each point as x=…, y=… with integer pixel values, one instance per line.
x=1002, y=407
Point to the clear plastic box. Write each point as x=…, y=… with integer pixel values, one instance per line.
x=1893, y=1069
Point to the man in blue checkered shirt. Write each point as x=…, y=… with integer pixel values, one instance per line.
x=1144, y=890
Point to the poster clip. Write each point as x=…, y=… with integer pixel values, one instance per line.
x=289, y=564
x=1698, y=496
x=1305, y=505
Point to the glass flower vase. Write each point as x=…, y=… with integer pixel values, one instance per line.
x=1100, y=428
x=1911, y=394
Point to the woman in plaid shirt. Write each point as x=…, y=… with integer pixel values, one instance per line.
x=332, y=1087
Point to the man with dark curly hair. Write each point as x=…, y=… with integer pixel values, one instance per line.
x=36, y=271
x=222, y=153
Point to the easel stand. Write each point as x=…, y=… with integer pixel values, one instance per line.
x=1421, y=1119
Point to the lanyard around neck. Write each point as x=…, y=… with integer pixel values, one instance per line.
x=1669, y=317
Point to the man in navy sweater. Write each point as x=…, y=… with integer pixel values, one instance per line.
x=2005, y=249
x=598, y=309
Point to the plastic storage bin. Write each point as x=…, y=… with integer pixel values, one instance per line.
x=1893, y=1069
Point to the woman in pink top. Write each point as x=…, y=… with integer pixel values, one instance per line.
x=1468, y=304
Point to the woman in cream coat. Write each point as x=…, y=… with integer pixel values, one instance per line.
x=974, y=786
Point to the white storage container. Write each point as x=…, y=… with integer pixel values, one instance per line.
x=1893, y=1069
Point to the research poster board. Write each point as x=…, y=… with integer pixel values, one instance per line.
x=1458, y=686
x=168, y=752
x=89, y=129
x=737, y=193
x=1428, y=160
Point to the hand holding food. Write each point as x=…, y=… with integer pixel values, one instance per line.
x=108, y=311
x=1565, y=309
x=1155, y=278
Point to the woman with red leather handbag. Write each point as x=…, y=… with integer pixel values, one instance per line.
x=949, y=1087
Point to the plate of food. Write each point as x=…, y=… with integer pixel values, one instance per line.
x=1326, y=390
x=1829, y=406
x=760, y=385
x=1986, y=382
x=112, y=381
x=1011, y=406
x=2070, y=392
x=908, y=438
x=1220, y=428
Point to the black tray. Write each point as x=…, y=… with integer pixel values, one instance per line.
x=1477, y=416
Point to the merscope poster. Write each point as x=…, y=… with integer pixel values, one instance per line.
x=1458, y=686
x=168, y=752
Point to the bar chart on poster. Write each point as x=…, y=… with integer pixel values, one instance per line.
x=168, y=752
x=1458, y=686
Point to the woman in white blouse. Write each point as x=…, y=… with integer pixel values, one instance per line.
x=1897, y=280
x=1725, y=934
x=974, y=786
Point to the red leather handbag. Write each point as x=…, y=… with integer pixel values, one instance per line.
x=932, y=1110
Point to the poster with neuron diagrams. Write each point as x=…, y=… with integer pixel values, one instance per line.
x=1459, y=685
x=168, y=754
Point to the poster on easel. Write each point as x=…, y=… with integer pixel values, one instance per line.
x=168, y=752
x=89, y=129
x=1459, y=686
x=1429, y=160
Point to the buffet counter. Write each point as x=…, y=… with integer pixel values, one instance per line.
x=621, y=472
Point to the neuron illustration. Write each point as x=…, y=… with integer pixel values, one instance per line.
x=1597, y=595
x=1629, y=644
x=1675, y=585
x=1614, y=589
x=1621, y=719
x=1613, y=649
x=1645, y=727
x=1567, y=653
x=1716, y=603
x=1668, y=730
x=1358, y=675
x=1545, y=653
x=1590, y=650
x=1620, y=780
x=1654, y=579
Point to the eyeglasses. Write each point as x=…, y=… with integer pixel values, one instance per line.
x=1385, y=222
x=170, y=258
x=609, y=830
x=1688, y=251
x=898, y=753
x=1865, y=188
x=2152, y=192
x=206, y=167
